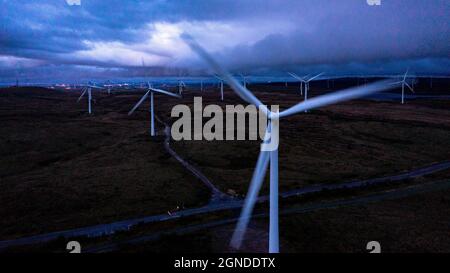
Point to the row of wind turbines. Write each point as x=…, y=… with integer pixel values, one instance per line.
x=304, y=87
x=87, y=90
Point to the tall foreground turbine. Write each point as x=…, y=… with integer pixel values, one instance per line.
x=271, y=155
x=88, y=89
x=151, y=91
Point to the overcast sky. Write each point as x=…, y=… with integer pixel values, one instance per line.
x=50, y=38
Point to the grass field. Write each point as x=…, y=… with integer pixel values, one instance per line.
x=360, y=139
x=61, y=168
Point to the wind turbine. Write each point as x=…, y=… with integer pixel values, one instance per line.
x=404, y=83
x=151, y=92
x=88, y=89
x=181, y=85
x=307, y=85
x=302, y=81
x=108, y=87
x=18, y=72
x=244, y=80
x=306, y=81
x=271, y=156
x=221, y=86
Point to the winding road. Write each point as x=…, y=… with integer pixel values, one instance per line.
x=216, y=195
x=219, y=201
x=372, y=198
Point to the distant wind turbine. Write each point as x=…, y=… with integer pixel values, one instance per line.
x=405, y=83
x=18, y=69
x=221, y=86
x=151, y=92
x=305, y=81
x=181, y=85
x=88, y=89
x=244, y=80
x=302, y=81
x=108, y=87
x=272, y=156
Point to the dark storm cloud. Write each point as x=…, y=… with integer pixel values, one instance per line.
x=353, y=32
x=327, y=33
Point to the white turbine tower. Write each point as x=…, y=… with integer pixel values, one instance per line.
x=181, y=85
x=272, y=155
x=151, y=92
x=306, y=82
x=221, y=86
x=244, y=80
x=302, y=81
x=404, y=83
x=88, y=89
x=108, y=87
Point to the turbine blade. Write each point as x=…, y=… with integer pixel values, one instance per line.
x=250, y=199
x=406, y=74
x=344, y=95
x=305, y=77
x=240, y=90
x=409, y=86
x=139, y=103
x=165, y=92
x=96, y=87
x=315, y=77
x=295, y=76
x=82, y=94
